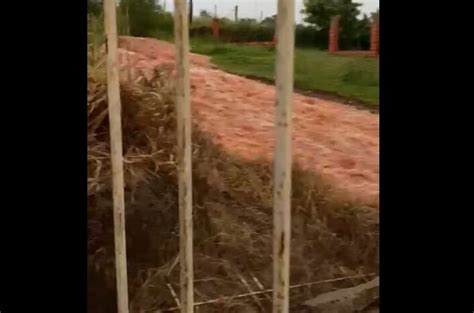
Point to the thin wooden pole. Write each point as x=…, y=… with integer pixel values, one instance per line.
x=190, y=12
x=127, y=32
x=183, y=116
x=127, y=19
x=283, y=155
x=94, y=32
x=113, y=93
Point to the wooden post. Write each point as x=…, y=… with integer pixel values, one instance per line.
x=236, y=12
x=127, y=19
x=183, y=116
x=190, y=12
x=285, y=33
x=127, y=33
x=113, y=94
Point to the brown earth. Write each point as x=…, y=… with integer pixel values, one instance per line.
x=336, y=140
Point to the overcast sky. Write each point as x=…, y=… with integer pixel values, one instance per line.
x=253, y=8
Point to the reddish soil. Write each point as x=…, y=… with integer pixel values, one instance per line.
x=338, y=141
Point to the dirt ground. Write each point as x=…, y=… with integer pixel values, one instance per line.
x=338, y=141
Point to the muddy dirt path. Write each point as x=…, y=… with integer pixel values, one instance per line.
x=338, y=141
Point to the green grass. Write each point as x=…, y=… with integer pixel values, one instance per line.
x=352, y=78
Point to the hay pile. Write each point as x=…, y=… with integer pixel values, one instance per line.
x=232, y=215
x=147, y=118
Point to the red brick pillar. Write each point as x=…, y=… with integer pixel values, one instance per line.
x=374, y=37
x=334, y=35
x=215, y=27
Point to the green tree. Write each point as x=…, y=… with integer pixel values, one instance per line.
x=94, y=7
x=205, y=14
x=375, y=14
x=320, y=12
x=269, y=21
x=225, y=21
x=248, y=20
x=145, y=16
x=191, y=8
x=362, y=33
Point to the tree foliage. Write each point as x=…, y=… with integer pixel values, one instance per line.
x=205, y=14
x=352, y=30
x=143, y=15
x=269, y=21
x=94, y=7
x=147, y=18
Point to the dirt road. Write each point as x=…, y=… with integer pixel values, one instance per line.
x=338, y=141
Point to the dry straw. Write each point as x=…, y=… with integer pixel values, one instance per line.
x=233, y=211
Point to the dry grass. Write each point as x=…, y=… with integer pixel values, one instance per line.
x=233, y=214
x=146, y=119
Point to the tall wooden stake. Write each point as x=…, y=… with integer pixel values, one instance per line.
x=127, y=19
x=127, y=33
x=283, y=155
x=190, y=12
x=113, y=93
x=183, y=116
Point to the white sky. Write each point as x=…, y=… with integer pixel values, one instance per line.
x=252, y=8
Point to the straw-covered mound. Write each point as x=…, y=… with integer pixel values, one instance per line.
x=232, y=216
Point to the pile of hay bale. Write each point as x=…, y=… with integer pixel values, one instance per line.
x=232, y=214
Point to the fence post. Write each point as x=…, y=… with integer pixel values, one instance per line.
x=114, y=105
x=285, y=33
x=183, y=116
x=127, y=19
x=92, y=33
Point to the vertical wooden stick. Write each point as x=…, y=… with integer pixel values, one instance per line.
x=127, y=19
x=283, y=155
x=94, y=39
x=183, y=116
x=113, y=93
x=127, y=33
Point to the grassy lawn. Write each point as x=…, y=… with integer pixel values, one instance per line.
x=315, y=70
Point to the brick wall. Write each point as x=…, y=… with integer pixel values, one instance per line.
x=215, y=27
x=334, y=37
x=334, y=34
x=374, y=37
